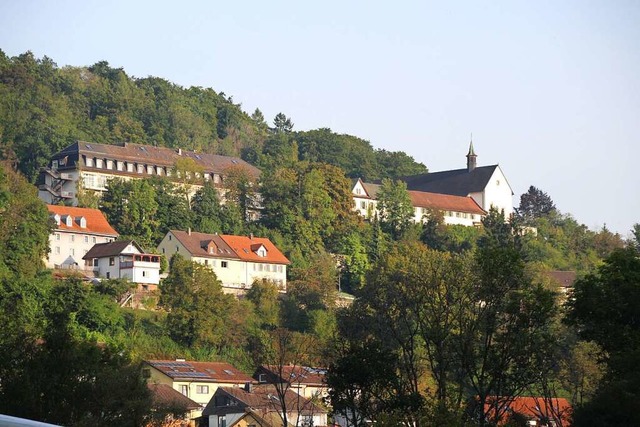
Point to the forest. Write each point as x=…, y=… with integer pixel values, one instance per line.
x=444, y=316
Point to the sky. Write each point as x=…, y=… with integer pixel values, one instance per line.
x=549, y=89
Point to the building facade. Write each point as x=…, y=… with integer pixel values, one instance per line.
x=85, y=166
x=238, y=261
x=76, y=231
x=124, y=259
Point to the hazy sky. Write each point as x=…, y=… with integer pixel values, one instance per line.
x=549, y=89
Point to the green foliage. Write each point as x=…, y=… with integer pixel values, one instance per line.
x=197, y=308
x=535, y=203
x=264, y=296
x=396, y=209
x=207, y=210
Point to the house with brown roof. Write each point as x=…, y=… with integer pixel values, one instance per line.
x=89, y=166
x=124, y=259
x=237, y=260
x=304, y=380
x=455, y=209
x=76, y=231
x=196, y=380
x=262, y=405
x=172, y=405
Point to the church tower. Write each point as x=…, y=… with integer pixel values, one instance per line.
x=471, y=158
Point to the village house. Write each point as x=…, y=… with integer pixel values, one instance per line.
x=238, y=261
x=534, y=411
x=261, y=406
x=198, y=381
x=88, y=166
x=487, y=185
x=304, y=380
x=124, y=259
x=76, y=231
x=455, y=209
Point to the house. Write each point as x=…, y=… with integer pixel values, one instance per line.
x=195, y=380
x=306, y=381
x=170, y=403
x=563, y=280
x=487, y=185
x=89, y=166
x=535, y=411
x=261, y=405
x=455, y=209
x=237, y=260
x=76, y=231
x=124, y=259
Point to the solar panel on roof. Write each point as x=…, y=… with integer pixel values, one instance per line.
x=228, y=372
x=172, y=364
x=174, y=374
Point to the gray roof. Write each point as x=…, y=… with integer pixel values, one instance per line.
x=101, y=250
x=457, y=182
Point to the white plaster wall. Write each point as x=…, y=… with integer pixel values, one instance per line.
x=62, y=245
x=498, y=193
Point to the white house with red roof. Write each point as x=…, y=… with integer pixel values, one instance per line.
x=76, y=231
x=455, y=209
x=196, y=380
x=238, y=261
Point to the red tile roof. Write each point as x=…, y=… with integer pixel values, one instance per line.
x=246, y=248
x=296, y=374
x=445, y=202
x=536, y=408
x=164, y=396
x=211, y=372
x=96, y=221
x=564, y=279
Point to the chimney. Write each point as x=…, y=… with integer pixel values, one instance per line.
x=248, y=387
x=251, y=236
x=179, y=151
x=180, y=360
x=189, y=231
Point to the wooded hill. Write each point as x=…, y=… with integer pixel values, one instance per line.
x=44, y=108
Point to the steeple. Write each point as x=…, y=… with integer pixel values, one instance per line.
x=471, y=157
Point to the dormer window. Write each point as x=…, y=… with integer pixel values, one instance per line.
x=99, y=163
x=68, y=221
x=109, y=164
x=82, y=221
x=56, y=218
x=259, y=250
x=130, y=167
x=88, y=161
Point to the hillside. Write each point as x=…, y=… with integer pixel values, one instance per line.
x=44, y=108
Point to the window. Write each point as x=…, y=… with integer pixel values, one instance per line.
x=497, y=182
x=88, y=161
x=262, y=378
x=216, y=178
x=108, y=275
x=206, y=262
x=184, y=389
x=144, y=273
x=86, y=239
x=224, y=264
x=202, y=389
x=58, y=250
x=112, y=261
x=99, y=163
x=72, y=251
x=279, y=269
x=58, y=236
x=95, y=262
x=54, y=164
x=150, y=170
x=73, y=237
x=177, y=249
x=129, y=167
x=162, y=250
x=140, y=168
x=69, y=221
x=358, y=191
x=120, y=165
x=222, y=421
x=109, y=164
x=169, y=236
x=363, y=205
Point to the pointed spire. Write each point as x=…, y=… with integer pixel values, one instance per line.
x=471, y=157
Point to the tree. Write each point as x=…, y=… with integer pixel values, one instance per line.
x=605, y=309
x=282, y=123
x=264, y=296
x=240, y=189
x=535, y=203
x=396, y=209
x=207, y=210
x=197, y=307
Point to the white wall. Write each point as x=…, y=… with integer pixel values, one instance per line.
x=497, y=193
x=63, y=244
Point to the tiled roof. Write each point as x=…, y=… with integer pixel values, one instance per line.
x=96, y=221
x=536, y=408
x=295, y=374
x=101, y=250
x=246, y=247
x=262, y=397
x=442, y=202
x=165, y=396
x=564, y=279
x=228, y=246
x=457, y=182
x=196, y=244
x=445, y=202
x=212, y=372
x=157, y=156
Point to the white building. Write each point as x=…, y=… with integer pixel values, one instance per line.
x=76, y=231
x=455, y=209
x=124, y=259
x=487, y=185
x=237, y=260
x=90, y=166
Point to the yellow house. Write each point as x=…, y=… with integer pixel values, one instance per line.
x=195, y=380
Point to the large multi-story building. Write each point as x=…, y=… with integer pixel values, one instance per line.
x=89, y=166
x=237, y=260
x=76, y=231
